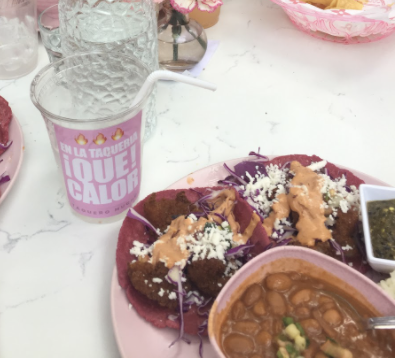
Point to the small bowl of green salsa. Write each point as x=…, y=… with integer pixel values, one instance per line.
x=378, y=214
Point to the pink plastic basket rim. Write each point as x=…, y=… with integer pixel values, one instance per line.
x=326, y=15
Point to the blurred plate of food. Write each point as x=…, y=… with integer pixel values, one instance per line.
x=11, y=149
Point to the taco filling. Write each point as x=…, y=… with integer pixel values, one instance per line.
x=304, y=201
x=200, y=245
x=183, y=246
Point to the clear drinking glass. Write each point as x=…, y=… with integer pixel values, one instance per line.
x=49, y=31
x=128, y=27
x=18, y=38
x=96, y=135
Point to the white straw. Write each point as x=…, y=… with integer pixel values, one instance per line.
x=169, y=75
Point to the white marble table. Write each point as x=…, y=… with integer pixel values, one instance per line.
x=278, y=88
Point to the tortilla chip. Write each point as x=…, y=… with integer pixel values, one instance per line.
x=345, y=4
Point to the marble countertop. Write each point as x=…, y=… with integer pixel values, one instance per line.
x=278, y=89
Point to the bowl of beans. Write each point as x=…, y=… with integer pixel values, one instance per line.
x=296, y=302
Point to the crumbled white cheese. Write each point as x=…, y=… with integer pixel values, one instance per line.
x=212, y=243
x=347, y=247
x=330, y=221
x=219, y=284
x=285, y=221
x=317, y=165
x=157, y=280
x=260, y=188
x=344, y=206
x=192, y=217
x=350, y=264
x=225, y=224
x=146, y=282
x=139, y=249
x=161, y=292
x=172, y=296
x=274, y=235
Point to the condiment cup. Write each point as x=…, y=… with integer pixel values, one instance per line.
x=301, y=260
x=375, y=193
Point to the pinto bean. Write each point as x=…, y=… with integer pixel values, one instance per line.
x=276, y=302
x=259, y=308
x=278, y=282
x=320, y=354
x=311, y=327
x=277, y=327
x=267, y=325
x=241, y=345
x=302, y=296
x=252, y=294
x=326, y=306
x=247, y=327
x=302, y=312
x=238, y=311
x=333, y=317
x=264, y=338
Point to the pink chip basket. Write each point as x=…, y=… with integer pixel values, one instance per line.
x=374, y=22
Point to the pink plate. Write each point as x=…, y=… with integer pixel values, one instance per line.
x=138, y=338
x=12, y=158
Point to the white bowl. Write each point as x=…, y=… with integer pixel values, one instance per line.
x=375, y=193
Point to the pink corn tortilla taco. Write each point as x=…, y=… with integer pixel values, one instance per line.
x=133, y=230
x=333, y=170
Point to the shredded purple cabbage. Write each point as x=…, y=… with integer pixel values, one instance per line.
x=203, y=201
x=241, y=180
x=229, y=183
x=221, y=216
x=199, y=309
x=132, y=213
x=285, y=164
x=286, y=235
x=252, y=168
x=338, y=248
x=259, y=155
x=5, y=146
x=201, y=329
x=284, y=242
x=175, y=274
x=4, y=178
x=239, y=250
x=201, y=344
x=199, y=193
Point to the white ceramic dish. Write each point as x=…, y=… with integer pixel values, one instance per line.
x=297, y=259
x=375, y=193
